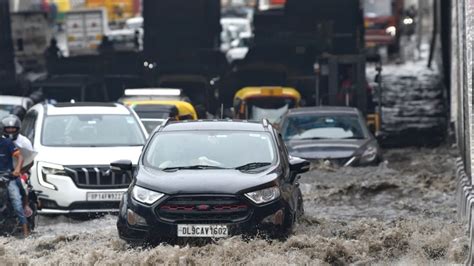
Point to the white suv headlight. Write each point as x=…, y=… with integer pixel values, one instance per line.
x=146, y=196
x=264, y=195
x=49, y=169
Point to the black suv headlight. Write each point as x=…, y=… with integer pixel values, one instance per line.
x=369, y=155
x=264, y=195
x=146, y=196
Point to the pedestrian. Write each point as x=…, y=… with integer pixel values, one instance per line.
x=53, y=14
x=53, y=50
x=136, y=40
x=52, y=56
x=106, y=46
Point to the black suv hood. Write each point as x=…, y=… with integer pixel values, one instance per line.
x=203, y=181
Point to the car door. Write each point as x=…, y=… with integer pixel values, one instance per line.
x=290, y=185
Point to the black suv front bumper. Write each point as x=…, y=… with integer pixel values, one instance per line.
x=240, y=215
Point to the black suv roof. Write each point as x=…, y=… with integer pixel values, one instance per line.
x=237, y=125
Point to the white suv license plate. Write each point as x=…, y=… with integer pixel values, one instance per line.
x=196, y=230
x=104, y=196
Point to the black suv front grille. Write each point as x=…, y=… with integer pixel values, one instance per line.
x=203, y=209
x=99, y=177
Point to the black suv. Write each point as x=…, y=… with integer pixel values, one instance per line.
x=211, y=179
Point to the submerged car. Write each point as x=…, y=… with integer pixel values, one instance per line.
x=333, y=134
x=206, y=179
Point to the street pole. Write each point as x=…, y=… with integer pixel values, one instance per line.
x=317, y=71
x=421, y=8
x=378, y=68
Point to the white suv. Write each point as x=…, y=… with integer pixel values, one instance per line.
x=76, y=142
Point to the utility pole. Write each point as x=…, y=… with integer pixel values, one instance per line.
x=317, y=72
x=7, y=65
x=421, y=8
x=434, y=32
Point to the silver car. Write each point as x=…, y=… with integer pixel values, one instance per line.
x=333, y=134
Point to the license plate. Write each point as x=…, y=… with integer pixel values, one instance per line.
x=195, y=230
x=104, y=196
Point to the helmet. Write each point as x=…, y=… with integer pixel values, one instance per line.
x=11, y=126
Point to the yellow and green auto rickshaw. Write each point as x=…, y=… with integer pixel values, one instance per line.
x=154, y=112
x=257, y=103
x=154, y=106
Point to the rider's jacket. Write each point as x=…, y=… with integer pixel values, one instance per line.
x=7, y=151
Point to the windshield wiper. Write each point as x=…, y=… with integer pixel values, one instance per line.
x=191, y=167
x=354, y=138
x=315, y=138
x=252, y=166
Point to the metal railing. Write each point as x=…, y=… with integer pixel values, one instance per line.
x=462, y=39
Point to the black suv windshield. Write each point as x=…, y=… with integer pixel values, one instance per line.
x=210, y=150
x=304, y=127
x=90, y=130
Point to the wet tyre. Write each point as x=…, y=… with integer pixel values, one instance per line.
x=300, y=212
x=288, y=226
x=33, y=219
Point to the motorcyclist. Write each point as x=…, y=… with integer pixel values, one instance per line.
x=9, y=152
x=11, y=130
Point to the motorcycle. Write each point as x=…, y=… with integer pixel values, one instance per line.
x=9, y=224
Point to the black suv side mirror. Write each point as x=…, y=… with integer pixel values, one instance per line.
x=121, y=166
x=298, y=165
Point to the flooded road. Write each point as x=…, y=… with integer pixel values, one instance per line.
x=401, y=212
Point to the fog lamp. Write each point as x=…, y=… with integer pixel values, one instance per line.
x=275, y=219
x=135, y=219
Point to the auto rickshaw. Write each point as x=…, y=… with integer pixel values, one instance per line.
x=257, y=103
x=197, y=87
x=154, y=106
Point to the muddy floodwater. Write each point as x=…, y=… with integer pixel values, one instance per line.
x=399, y=213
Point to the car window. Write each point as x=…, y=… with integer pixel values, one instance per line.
x=272, y=109
x=151, y=124
x=283, y=147
x=285, y=155
x=303, y=127
x=92, y=130
x=224, y=149
x=5, y=109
